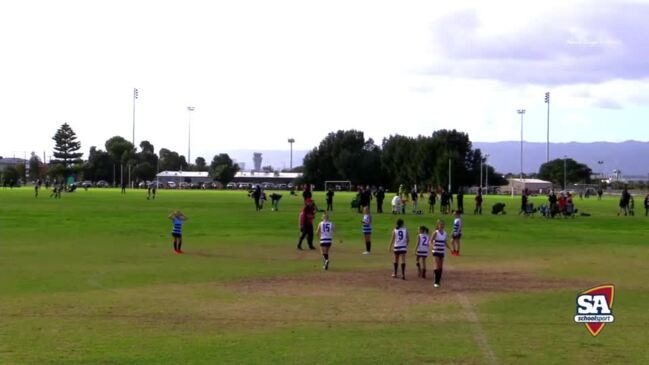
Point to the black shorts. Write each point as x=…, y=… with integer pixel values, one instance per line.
x=177, y=235
x=325, y=244
x=437, y=254
x=421, y=256
x=457, y=235
x=400, y=252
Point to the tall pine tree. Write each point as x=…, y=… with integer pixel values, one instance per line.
x=66, y=149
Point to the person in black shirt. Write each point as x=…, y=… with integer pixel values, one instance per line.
x=432, y=198
x=552, y=199
x=380, y=196
x=366, y=196
x=256, y=195
x=306, y=194
x=460, y=201
x=330, y=200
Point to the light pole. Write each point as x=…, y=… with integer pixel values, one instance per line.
x=291, y=141
x=190, y=109
x=547, y=101
x=135, y=96
x=521, y=112
x=565, y=184
x=486, y=173
x=480, y=185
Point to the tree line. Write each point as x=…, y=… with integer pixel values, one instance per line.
x=423, y=161
x=120, y=161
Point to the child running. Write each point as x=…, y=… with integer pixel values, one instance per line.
x=367, y=230
x=423, y=245
x=178, y=218
x=325, y=230
x=440, y=239
x=399, y=245
x=457, y=233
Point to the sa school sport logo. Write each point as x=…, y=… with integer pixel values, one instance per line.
x=594, y=308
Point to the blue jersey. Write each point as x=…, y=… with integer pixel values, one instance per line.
x=178, y=226
x=367, y=224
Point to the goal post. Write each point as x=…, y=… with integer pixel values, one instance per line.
x=338, y=185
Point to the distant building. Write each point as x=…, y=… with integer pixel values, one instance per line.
x=183, y=176
x=255, y=177
x=534, y=186
x=11, y=161
x=256, y=159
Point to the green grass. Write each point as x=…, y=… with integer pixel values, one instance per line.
x=91, y=279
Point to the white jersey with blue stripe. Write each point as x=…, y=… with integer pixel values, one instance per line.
x=326, y=229
x=367, y=224
x=423, y=244
x=400, y=239
x=457, y=226
x=439, y=246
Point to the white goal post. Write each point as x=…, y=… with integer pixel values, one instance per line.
x=338, y=185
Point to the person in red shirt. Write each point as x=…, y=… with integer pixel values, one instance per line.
x=306, y=223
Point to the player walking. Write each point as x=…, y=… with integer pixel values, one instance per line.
x=178, y=218
x=423, y=246
x=399, y=245
x=325, y=230
x=457, y=233
x=367, y=230
x=440, y=242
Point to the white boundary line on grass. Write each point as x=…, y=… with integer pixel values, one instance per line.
x=478, y=332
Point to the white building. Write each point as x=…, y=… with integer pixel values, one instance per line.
x=534, y=186
x=183, y=176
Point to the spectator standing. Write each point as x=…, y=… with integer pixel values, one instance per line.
x=415, y=198
x=307, y=194
x=460, y=201
x=380, y=196
x=330, y=200
x=432, y=198
x=478, y=204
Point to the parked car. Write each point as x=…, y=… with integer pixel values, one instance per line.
x=267, y=186
x=231, y=185
x=102, y=184
x=245, y=185
x=171, y=184
x=185, y=185
x=282, y=187
x=86, y=184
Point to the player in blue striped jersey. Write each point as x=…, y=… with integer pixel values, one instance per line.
x=399, y=245
x=440, y=243
x=325, y=230
x=423, y=246
x=367, y=230
x=457, y=233
x=178, y=218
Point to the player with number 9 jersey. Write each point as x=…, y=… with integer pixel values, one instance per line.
x=399, y=245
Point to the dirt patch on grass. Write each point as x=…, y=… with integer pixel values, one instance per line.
x=454, y=280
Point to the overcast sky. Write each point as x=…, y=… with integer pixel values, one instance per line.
x=259, y=72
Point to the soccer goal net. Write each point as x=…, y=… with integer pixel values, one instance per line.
x=338, y=185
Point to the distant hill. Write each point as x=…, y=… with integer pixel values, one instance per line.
x=631, y=157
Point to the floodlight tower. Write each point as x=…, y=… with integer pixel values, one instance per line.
x=521, y=112
x=190, y=109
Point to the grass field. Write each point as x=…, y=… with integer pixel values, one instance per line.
x=92, y=279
